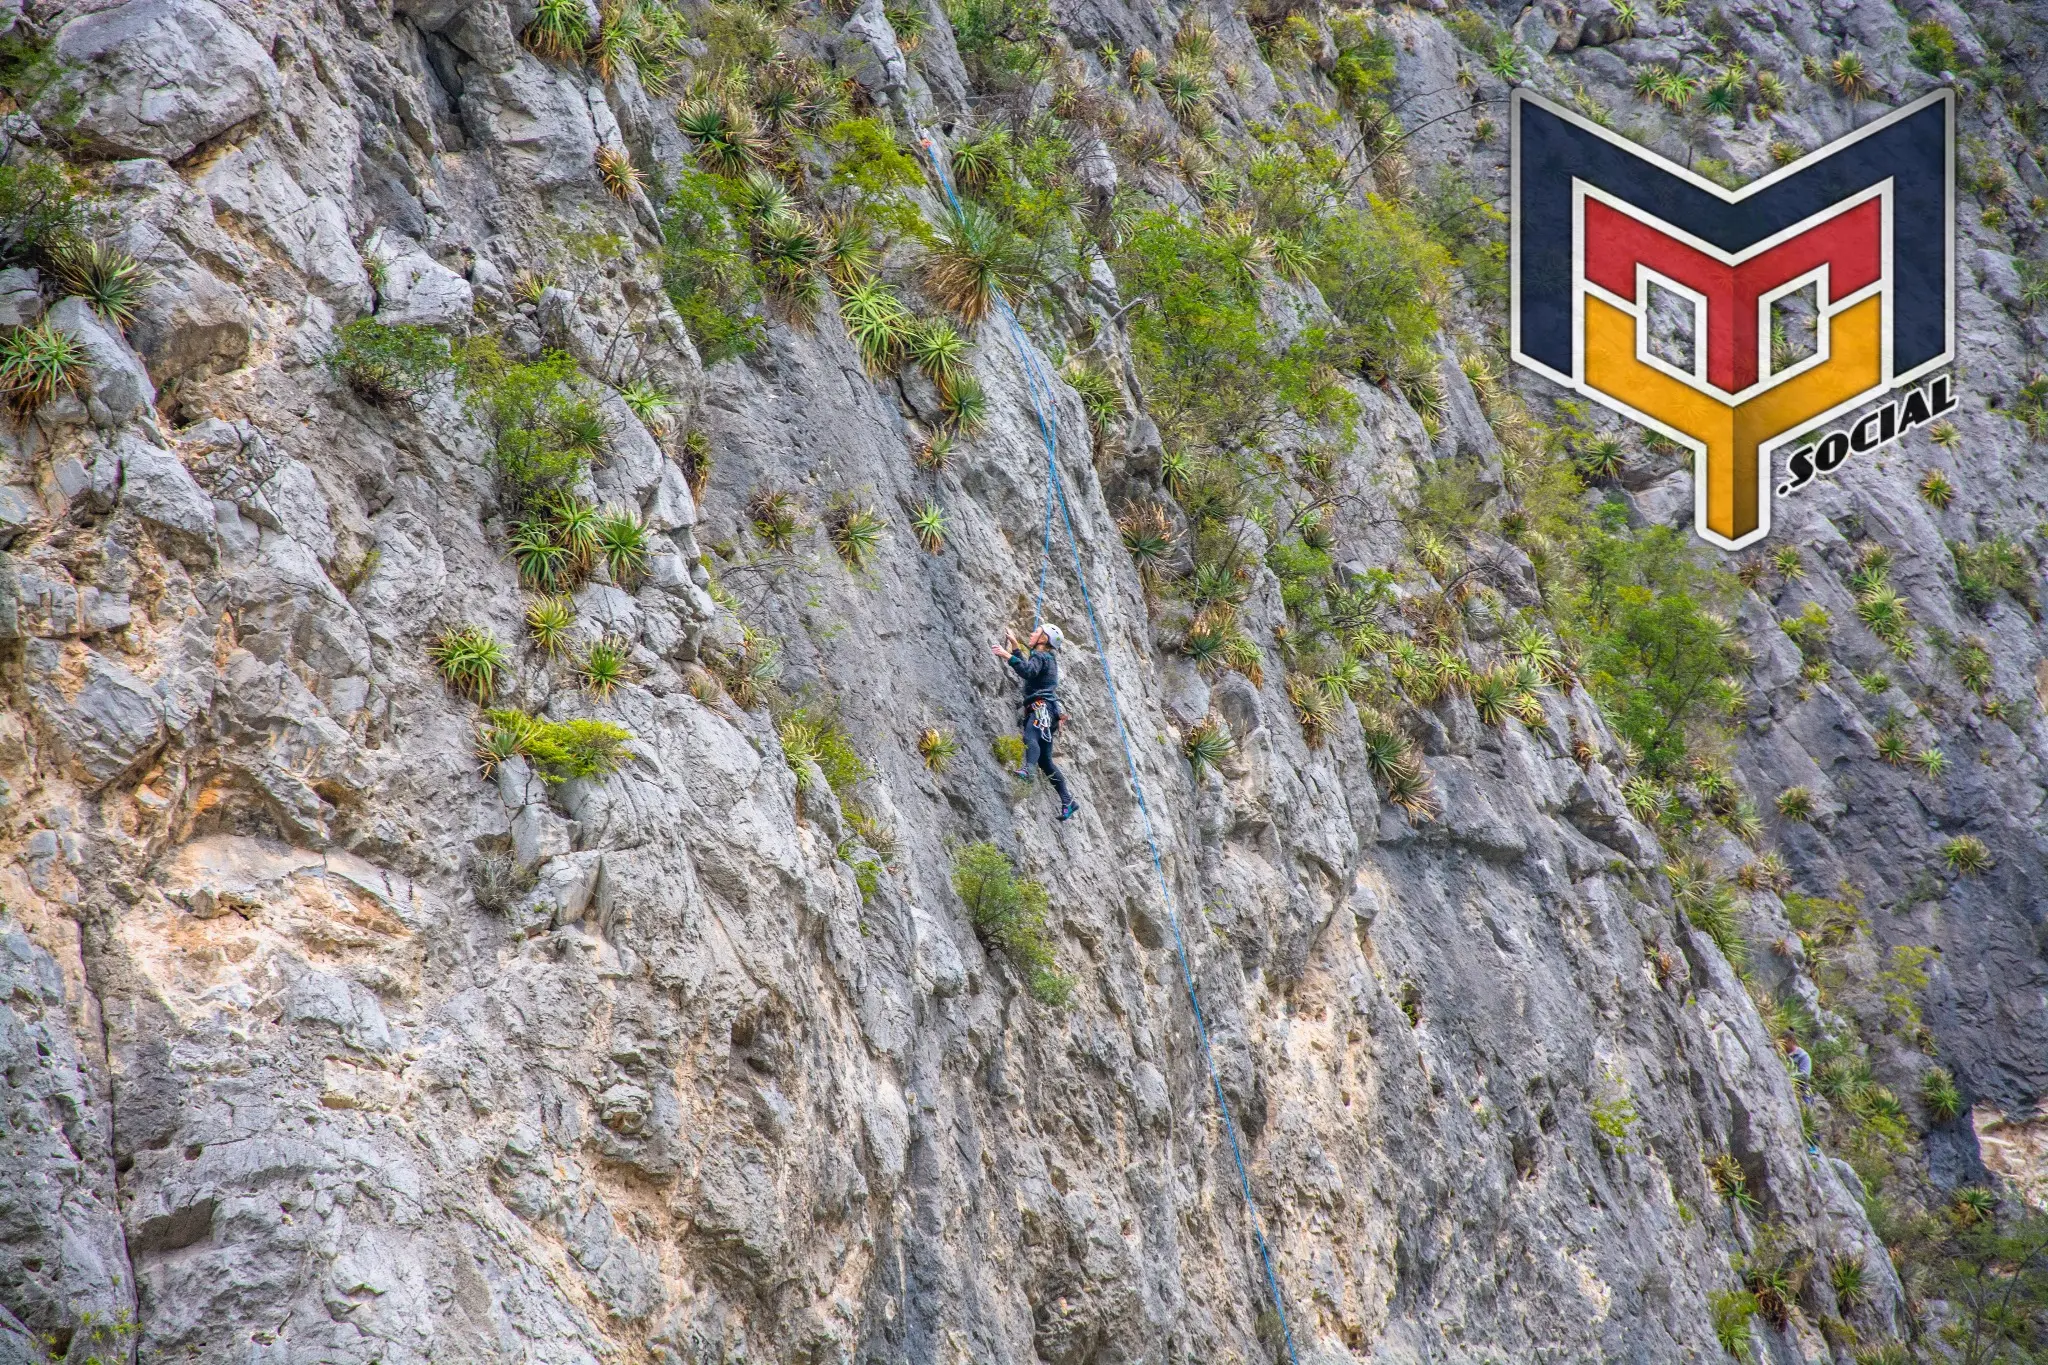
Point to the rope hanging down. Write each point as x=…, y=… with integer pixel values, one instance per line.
x=1039, y=386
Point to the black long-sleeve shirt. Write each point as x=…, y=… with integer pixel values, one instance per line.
x=1040, y=672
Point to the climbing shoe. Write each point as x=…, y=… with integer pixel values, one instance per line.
x=1067, y=811
x=1024, y=776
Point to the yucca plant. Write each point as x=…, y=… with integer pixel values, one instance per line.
x=1931, y=761
x=1966, y=855
x=1493, y=696
x=470, y=659
x=1973, y=1205
x=1149, y=538
x=1602, y=458
x=1938, y=1093
x=616, y=169
x=855, y=530
x=1186, y=93
x=38, y=363
x=103, y=275
x=543, y=562
x=1850, y=76
x=1945, y=434
x=965, y=404
x=1937, y=489
x=878, y=324
x=727, y=140
x=1787, y=561
x=1847, y=1278
x=697, y=463
x=976, y=260
x=937, y=747
x=1795, y=803
x=760, y=197
x=934, y=452
x=1207, y=743
x=1314, y=709
x=980, y=158
x=1974, y=666
x=1645, y=798
x=649, y=402
x=790, y=251
x=1724, y=93
x=558, y=32
x=776, y=518
x=604, y=666
x=623, y=545
x=529, y=285
x=1745, y=822
x=930, y=527
x=573, y=524
x=580, y=428
x=1892, y=745
x=846, y=245
x=936, y=347
x=549, y=621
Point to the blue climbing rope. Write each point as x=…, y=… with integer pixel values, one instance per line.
x=1039, y=386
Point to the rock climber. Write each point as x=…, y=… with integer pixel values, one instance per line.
x=1038, y=713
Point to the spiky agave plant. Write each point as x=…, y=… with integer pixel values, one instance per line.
x=937, y=747
x=1207, y=743
x=936, y=347
x=977, y=259
x=877, y=323
x=1314, y=709
x=38, y=363
x=930, y=527
x=558, y=32
x=548, y=622
x=855, y=530
x=469, y=659
x=103, y=275
x=616, y=169
x=604, y=667
x=623, y=546
x=727, y=139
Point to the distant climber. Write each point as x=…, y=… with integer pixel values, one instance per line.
x=1038, y=713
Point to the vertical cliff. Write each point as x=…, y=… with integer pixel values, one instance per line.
x=504, y=511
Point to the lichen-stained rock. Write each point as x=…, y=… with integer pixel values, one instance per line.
x=159, y=77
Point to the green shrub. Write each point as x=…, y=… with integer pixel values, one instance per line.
x=543, y=432
x=1009, y=913
x=706, y=270
x=558, y=750
x=1731, y=1311
x=1934, y=46
x=1008, y=750
x=1657, y=655
x=1207, y=743
x=549, y=621
x=623, y=545
x=41, y=208
x=387, y=363
x=815, y=734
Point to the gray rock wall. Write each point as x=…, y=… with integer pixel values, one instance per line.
x=283, y=1088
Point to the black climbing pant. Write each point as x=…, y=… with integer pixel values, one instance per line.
x=1038, y=754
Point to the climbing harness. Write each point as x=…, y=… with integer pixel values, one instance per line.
x=1039, y=386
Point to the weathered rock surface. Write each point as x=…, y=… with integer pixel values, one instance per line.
x=320, y=1047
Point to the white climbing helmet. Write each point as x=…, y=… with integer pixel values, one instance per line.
x=1053, y=638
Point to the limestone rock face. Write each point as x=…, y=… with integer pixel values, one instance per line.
x=332, y=1033
x=160, y=77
